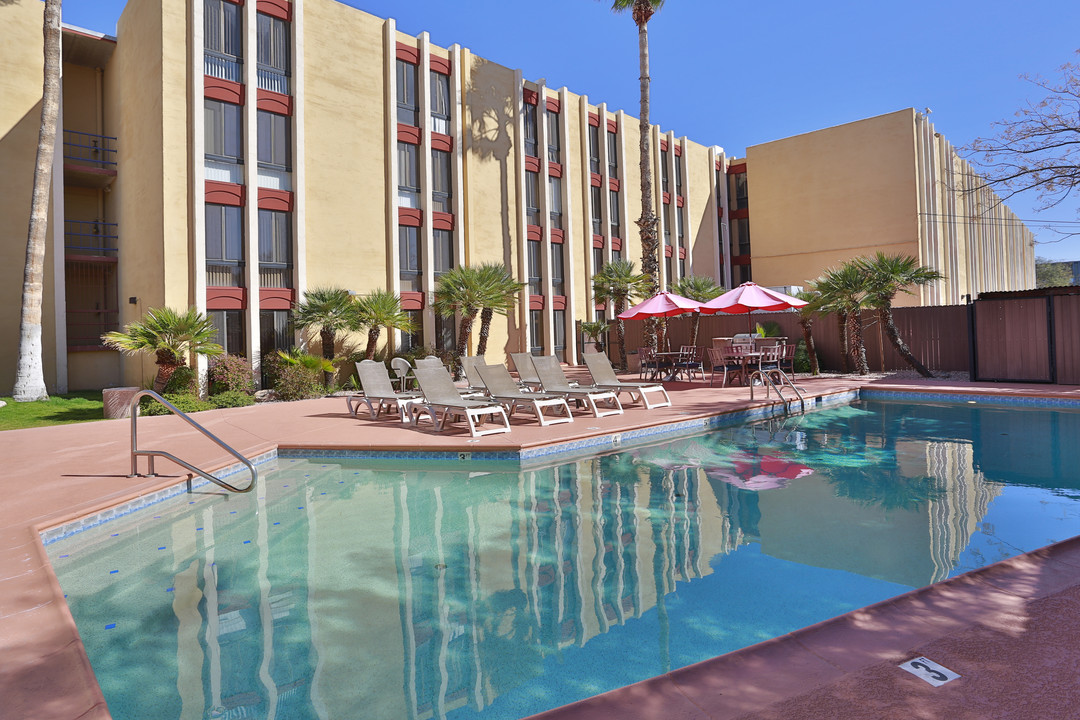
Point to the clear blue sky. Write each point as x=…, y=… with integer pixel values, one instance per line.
x=736, y=74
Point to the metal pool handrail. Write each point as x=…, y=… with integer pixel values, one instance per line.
x=135, y=452
x=767, y=381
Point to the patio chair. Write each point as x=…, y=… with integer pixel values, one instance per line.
x=787, y=362
x=553, y=380
x=689, y=362
x=502, y=387
x=402, y=369
x=442, y=401
x=527, y=376
x=604, y=377
x=379, y=391
x=723, y=360
x=648, y=367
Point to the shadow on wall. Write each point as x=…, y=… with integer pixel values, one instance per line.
x=491, y=136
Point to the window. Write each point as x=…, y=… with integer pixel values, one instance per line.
x=223, y=40
x=536, y=332
x=535, y=268
x=737, y=191
x=740, y=274
x=682, y=267
x=594, y=149
x=559, y=326
x=613, y=155
x=616, y=255
x=275, y=143
x=272, y=53
x=410, y=258
x=408, y=175
x=230, y=330
x=597, y=219
x=408, y=106
x=530, y=131
x=553, y=137
x=443, y=251
x=92, y=301
x=275, y=331
x=667, y=269
x=416, y=338
x=740, y=236
x=555, y=189
x=613, y=210
x=664, y=171
x=678, y=175
x=440, y=103
x=442, y=186
x=224, y=246
x=665, y=217
x=224, y=131
x=680, y=230
x=532, y=198
x=445, y=334
x=597, y=259
x=558, y=286
x=275, y=249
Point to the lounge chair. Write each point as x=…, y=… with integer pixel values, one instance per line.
x=604, y=377
x=379, y=392
x=443, y=401
x=469, y=363
x=553, y=380
x=527, y=376
x=501, y=386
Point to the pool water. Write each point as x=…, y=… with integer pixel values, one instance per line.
x=342, y=590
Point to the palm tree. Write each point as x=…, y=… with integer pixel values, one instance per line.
x=642, y=11
x=378, y=310
x=170, y=335
x=842, y=291
x=618, y=283
x=701, y=288
x=459, y=291
x=806, y=322
x=500, y=291
x=29, y=375
x=886, y=276
x=330, y=310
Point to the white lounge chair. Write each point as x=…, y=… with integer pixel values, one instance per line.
x=604, y=377
x=443, y=401
x=501, y=386
x=553, y=380
x=378, y=391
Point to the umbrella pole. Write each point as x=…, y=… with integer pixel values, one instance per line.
x=750, y=323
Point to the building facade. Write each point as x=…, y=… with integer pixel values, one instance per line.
x=230, y=155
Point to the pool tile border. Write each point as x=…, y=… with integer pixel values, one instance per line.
x=970, y=397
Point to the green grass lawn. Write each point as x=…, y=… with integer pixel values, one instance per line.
x=73, y=407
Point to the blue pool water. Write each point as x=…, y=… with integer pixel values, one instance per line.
x=342, y=590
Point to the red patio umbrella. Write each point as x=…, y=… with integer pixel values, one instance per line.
x=662, y=304
x=749, y=297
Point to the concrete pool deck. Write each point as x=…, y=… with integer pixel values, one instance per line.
x=1009, y=630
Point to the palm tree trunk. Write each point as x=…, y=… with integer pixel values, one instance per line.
x=885, y=317
x=845, y=352
x=29, y=374
x=620, y=334
x=327, y=338
x=808, y=338
x=464, y=331
x=485, y=329
x=859, y=347
x=372, y=341
x=694, y=323
x=650, y=262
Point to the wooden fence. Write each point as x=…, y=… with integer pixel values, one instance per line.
x=1028, y=337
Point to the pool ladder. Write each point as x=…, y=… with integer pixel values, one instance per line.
x=766, y=379
x=150, y=454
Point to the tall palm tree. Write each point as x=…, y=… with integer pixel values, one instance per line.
x=29, y=375
x=170, y=335
x=459, y=291
x=807, y=315
x=701, y=288
x=642, y=11
x=842, y=291
x=619, y=284
x=501, y=292
x=330, y=310
x=378, y=310
x=886, y=276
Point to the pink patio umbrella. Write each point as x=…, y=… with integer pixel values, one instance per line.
x=749, y=297
x=760, y=473
x=662, y=304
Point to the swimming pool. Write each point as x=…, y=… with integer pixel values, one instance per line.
x=345, y=588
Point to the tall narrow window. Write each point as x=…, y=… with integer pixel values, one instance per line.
x=665, y=217
x=224, y=131
x=680, y=230
x=554, y=137
x=678, y=175
x=616, y=255
x=443, y=252
x=416, y=338
x=596, y=197
x=664, y=171
x=682, y=267
x=272, y=52
x=275, y=249
x=408, y=105
x=535, y=267
x=275, y=331
x=532, y=198
x=442, y=188
x=445, y=334
x=224, y=246
x=536, y=332
x=440, y=103
x=613, y=210
x=223, y=40
x=531, y=147
x=555, y=201
x=410, y=258
x=594, y=149
x=559, y=328
x=275, y=140
x=737, y=191
x=408, y=175
x=740, y=236
x=613, y=155
x=667, y=269
x=558, y=284
x=230, y=330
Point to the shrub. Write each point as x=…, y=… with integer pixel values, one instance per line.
x=802, y=358
x=296, y=382
x=231, y=399
x=184, y=381
x=231, y=373
x=186, y=402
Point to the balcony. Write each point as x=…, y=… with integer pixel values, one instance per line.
x=90, y=239
x=273, y=79
x=223, y=67
x=275, y=275
x=89, y=159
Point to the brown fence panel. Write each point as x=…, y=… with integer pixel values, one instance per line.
x=1012, y=340
x=1067, y=338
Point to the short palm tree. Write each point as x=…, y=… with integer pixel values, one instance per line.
x=328, y=309
x=807, y=315
x=170, y=335
x=887, y=275
x=619, y=284
x=500, y=291
x=458, y=291
x=842, y=291
x=701, y=288
x=380, y=309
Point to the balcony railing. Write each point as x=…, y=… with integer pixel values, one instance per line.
x=90, y=238
x=224, y=67
x=274, y=179
x=223, y=171
x=90, y=149
x=275, y=275
x=224, y=273
x=272, y=79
